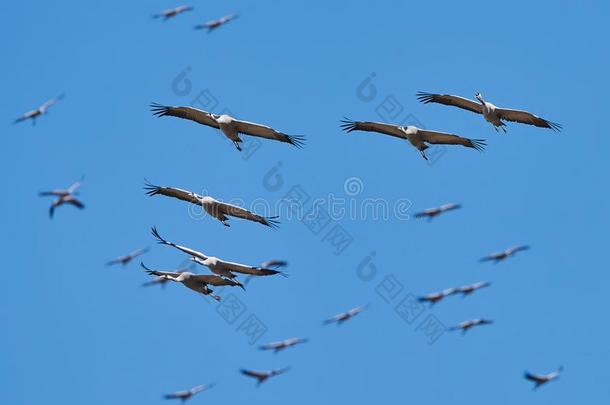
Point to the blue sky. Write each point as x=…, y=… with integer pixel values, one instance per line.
x=76, y=330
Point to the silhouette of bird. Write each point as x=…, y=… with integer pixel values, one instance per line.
x=34, y=114
x=64, y=196
x=505, y=254
x=186, y=394
x=262, y=376
x=213, y=24
x=124, y=260
x=467, y=325
x=282, y=344
x=541, y=379
x=434, y=212
x=344, y=316
x=172, y=12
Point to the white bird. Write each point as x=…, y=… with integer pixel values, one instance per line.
x=344, y=316
x=186, y=394
x=213, y=207
x=228, y=125
x=262, y=376
x=172, y=12
x=433, y=212
x=282, y=344
x=66, y=196
x=505, y=254
x=433, y=298
x=33, y=114
x=467, y=325
x=541, y=379
x=216, y=265
x=196, y=282
x=213, y=24
x=124, y=260
x=469, y=289
x=417, y=137
x=491, y=113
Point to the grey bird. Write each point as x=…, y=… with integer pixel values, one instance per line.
x=172, y=12
x=126, y=259
x=431, y=213
x=64, y=196
x=344, y=316
x=283, y=344
x=541, y=379
x=214, y=24
x=262, y=376
x=42, y=110
x=186, y=394
x=467, y=325
x=505, y=254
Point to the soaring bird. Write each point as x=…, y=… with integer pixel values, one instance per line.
x=433, y=212
x=66, y=196
x=282, y=344
x=505, y=254
x=186, y=394
x=491, y=113
x=417, y=137
x=467, y=325
x=213, y=24
x=433, y=298
x=541, y=379
x=33, y=114
x=469, y=289
x=344, y=316
x=124, y=260
x=172, y=12
x=213, y=207
x=196, y=282
x=216, y=265
x=262, y=376
x=228, y=125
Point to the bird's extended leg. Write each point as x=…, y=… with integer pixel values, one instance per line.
x=236, y=143
x=423, y=154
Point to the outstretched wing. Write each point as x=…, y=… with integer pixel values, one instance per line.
x=158, y=273
x=369, y=126
x=214, y=280
x=235, y=211
x=187, y=113
x=435, y=137
x=525, y=117
x=517, y=249
x=245, y=269
x=74, y=202
x=184, y=249
x=263, y=131
x=252, y=373
x=178, y=193
x=450, y=100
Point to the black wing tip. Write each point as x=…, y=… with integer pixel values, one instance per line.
x=296, y=140
x=155, y=233
x=479, y=144
x=150, y=188
x=272, y=222
x=554, y=126
x=348, y=125
x=159, y=110
x=425, y=97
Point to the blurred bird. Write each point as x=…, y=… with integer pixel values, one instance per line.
x=469, y=289
x=186, y=394
x=228, y=125
x=491, y=113
x=505, y=254
x=66, y=196
x=196, y=282
x=433, y=298
x=124, y=260
x=33, y=114
x=433, y=212
x=541, y=379
x=262, y=376
x=271, y=264
x=213, y=24
x=417, y=137
x=172, y=12
x=283, y=344
x=344, y=316
x=213, y=207
x=216, y=265
x=467, y=325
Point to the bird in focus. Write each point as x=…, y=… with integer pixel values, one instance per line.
x=126, y=259
x=262, y=376
x=214, y=24
x=217, y=209
x=228, y=125
x=505, y=254
x=417, y=137
x=541, y=379
x=64, y=196
x=186, y=394
x=431, y=213
x=282, y=344
x=495, y=115
x=172, y=12
x=344, y=316
x=42, y=110
x=467, y=325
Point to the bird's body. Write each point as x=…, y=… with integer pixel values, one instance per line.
x=34, y=114
x=541, y=379
x=229, y=126
x=433, y=298
x=469, y=289
x=344, y=316
x=282, y=344
x=262, y=376
x=216, y=209
x=213, y=24
x=505, y=254
x=64, y=196
x=417, y=137
x=467, y=325
x=172, y=12
x=196, y=282
x=186, y=394
x=124, y=260
x=492, y=114
x=436, y=211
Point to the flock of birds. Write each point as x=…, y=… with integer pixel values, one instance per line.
x=224, y=273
